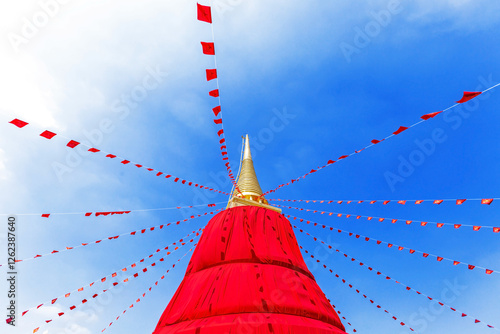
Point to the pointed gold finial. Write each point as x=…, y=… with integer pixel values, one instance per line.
x=248, y=191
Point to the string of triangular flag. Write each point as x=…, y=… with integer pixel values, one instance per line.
x=394, y=220
x=136, y=232
x=407, y=288
x=178, y=244
x=60, y=314
x=486, y=201
x=110, y=213
x=399, y=247
x=467, y=96
x=208, y=48
x=149, y=290
x=73, y=143
x=343, y=317
x=357, y=290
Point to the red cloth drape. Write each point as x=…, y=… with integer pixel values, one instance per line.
x=247, y=274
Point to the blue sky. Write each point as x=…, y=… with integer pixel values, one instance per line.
x=287, y=80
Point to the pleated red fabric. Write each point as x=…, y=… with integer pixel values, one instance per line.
x=247, y=275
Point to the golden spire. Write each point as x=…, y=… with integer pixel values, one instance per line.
x=248, y=191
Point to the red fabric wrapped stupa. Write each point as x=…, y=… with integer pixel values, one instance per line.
x=247, y=275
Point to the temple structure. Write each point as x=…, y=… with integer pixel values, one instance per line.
x=247, y=274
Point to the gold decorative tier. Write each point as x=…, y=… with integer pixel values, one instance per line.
x=248, y=191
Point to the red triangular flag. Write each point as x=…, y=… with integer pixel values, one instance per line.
x=214, y=93
x=468, y=96
x=18, y=123
x=486, y=201
x=216, y=110
x=72, y=144
x=460, y=201
x=208, y=48
x=47, y=134
x=431, y=115
x=401, y=129
x=204, y=13
x=211, y=74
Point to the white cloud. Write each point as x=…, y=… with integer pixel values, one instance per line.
x=451, y=15
x=28, y=90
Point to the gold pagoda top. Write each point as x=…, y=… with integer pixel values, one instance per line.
x=247, y=190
